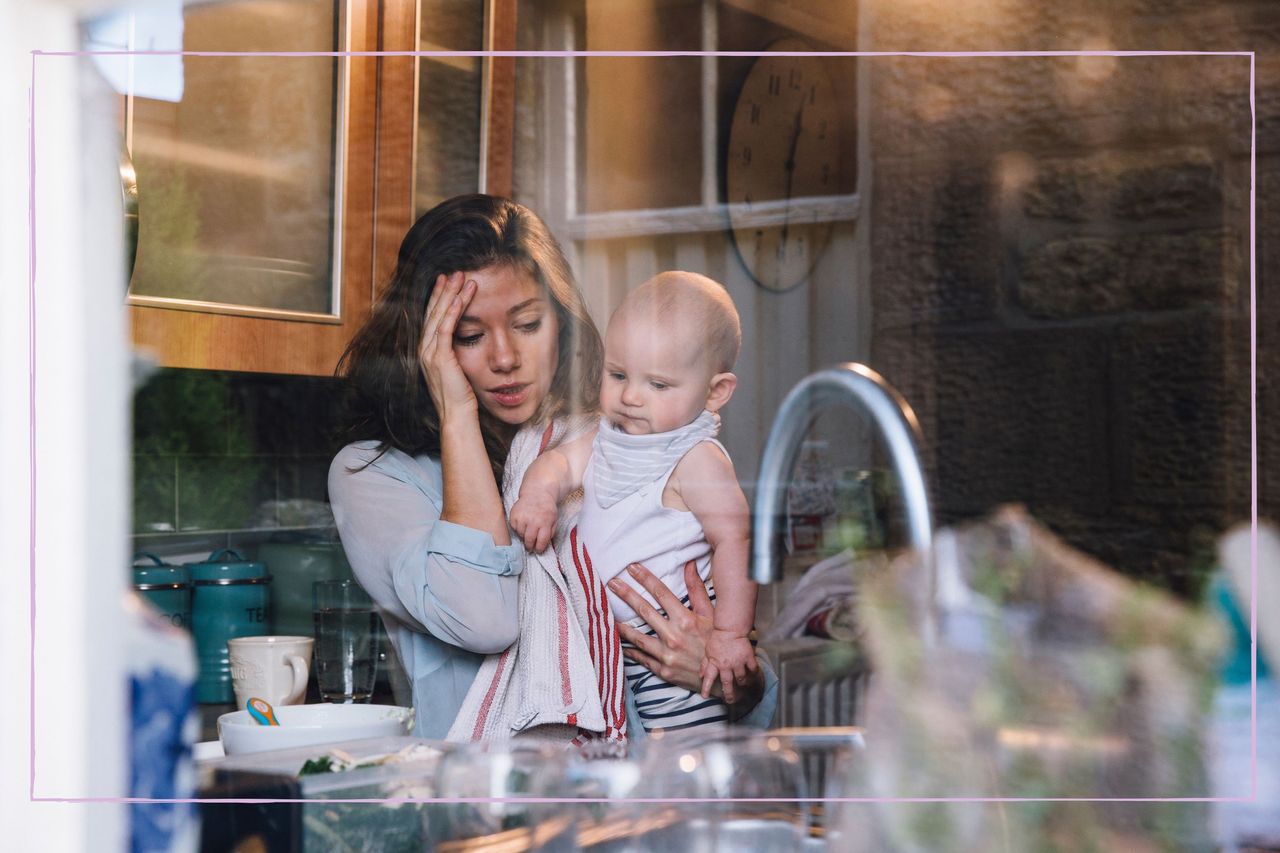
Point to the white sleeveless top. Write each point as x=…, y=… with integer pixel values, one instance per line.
x=639, y=529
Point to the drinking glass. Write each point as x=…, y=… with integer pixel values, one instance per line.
x=492, y=797
x=602, y=778
x=761, y=773
x=346, y=651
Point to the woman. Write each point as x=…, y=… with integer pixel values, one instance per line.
x=481, y=331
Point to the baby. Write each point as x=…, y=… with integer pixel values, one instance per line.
x=658, y=489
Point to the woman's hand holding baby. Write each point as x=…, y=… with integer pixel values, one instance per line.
x=676, y=653
x=450, y=390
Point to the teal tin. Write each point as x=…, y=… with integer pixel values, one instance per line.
x=167, y=588
x=231, y=597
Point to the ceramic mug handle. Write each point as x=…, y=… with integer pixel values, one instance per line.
x=301, y=672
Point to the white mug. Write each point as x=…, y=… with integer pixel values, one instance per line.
x=272, y=668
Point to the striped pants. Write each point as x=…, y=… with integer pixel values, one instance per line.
x=663, y=705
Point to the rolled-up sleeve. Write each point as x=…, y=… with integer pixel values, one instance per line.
x=474, y=548
x=432, y=575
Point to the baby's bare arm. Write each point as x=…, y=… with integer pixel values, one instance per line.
x=576, y=455
x=547, y=481
x=558, y=471
x=544, y=478
x=707, y=484
x=709, y=487
x=533, y=515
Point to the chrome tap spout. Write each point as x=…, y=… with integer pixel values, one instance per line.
x=861, y=388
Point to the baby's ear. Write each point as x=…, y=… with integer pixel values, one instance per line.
x=722, y=387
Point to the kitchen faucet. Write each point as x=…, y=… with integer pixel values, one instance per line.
x=860, y=387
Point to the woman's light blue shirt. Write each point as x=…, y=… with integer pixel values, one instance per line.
x=448, y=594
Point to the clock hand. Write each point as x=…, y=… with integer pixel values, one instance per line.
x=795, y=138
x=790, y=166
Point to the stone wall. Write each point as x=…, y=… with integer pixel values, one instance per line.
x=1061, y=269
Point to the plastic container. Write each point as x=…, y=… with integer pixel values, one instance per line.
x=289, y=761
x=367, y=827
x=811, y=498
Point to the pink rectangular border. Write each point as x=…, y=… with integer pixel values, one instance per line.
x=1253, y=397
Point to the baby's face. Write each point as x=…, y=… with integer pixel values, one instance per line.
x=656, y=376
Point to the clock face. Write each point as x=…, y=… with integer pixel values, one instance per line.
x=784, y=145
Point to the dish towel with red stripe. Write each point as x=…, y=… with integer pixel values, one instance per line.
x=562, y=680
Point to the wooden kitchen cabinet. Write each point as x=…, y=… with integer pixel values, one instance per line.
x=222, y=280
x=255, y=194
x=445, y=124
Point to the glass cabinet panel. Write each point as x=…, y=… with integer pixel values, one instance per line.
x=448, y=148
x=641, y=116
x=239, y=166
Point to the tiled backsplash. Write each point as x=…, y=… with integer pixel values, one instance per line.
x=228, y=459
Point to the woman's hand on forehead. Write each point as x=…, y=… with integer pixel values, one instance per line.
x=446, y=382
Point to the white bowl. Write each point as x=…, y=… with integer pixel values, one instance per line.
x=307, y=725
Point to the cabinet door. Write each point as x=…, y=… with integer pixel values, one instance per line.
x=448, y=120
x=444, y=122
x=255, y=188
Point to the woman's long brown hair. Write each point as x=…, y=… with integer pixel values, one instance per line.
x=387, y=399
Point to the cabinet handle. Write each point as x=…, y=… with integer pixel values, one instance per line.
x=129, y=200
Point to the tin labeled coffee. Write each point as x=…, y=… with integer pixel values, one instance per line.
x=165, y=587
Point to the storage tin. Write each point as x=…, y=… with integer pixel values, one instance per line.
x=167, y=588
x=231, y=597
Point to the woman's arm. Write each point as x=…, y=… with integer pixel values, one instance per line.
x=676, y=650
x=433, y=575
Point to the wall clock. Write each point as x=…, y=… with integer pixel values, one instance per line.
x=783, y=147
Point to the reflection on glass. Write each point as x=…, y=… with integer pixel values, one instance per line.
x=237, y=179
x=449, y=99
x=643, y=115
x=652, y=133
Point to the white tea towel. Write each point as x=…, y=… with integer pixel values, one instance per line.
x=561, y=681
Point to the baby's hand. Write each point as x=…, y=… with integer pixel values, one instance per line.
x=533, y=518
x=729, y=656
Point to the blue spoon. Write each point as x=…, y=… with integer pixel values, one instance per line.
x=261, y=710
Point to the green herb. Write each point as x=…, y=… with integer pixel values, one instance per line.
x=323, y=764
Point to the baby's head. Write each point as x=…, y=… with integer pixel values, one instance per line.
x=669, y=350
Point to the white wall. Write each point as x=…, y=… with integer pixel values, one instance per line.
x=81, y=450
